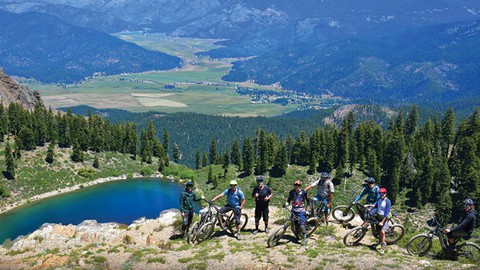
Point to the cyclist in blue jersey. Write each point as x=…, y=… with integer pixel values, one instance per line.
x=235, y=202
x=372, y=192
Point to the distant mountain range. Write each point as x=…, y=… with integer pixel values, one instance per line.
x=40, y=46
x=377, y=50
x=434, y=63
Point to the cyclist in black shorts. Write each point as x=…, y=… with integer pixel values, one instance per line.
x=465, y=228
x=262, y=194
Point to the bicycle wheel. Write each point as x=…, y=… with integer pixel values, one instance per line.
x=394, y=234
x=469, y=252
x=343, y=213
x=205, y=232
x=275, y=237
x=231, y=225
x=354, y=236
x=419, y=245
x=311, y=226
x=192, y=233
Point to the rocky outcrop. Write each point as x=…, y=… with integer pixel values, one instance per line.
x=12, y=91
x=50, y=236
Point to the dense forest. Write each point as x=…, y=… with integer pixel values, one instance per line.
x=435, y=162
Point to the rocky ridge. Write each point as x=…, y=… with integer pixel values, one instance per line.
x=12, y=91
x=155, y=244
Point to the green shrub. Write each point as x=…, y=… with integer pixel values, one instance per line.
x=86, y=172
x=147, y=171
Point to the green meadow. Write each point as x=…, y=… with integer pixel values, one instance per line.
x=196, y=87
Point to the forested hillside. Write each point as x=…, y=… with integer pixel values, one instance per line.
x=424, y=162
x=42, y=47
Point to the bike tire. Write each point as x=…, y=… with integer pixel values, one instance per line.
x=192, y=233
x=343, y=213
x=394, y=234
x=469, y=252
x=205, y=232
x=419, y=245
x=231, y=227
x=354, y=236
x=311, y=226
x=275, y=237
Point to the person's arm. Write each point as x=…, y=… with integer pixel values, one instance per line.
x=330, y=199
x=364, y=191
x=312, y=185
x=269, y=196
x=243, y=203
x=182, y=205
x=290, y=197
x=218, y=196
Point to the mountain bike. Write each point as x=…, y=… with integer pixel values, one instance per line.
x=316, y=210
x=225, y=221
x=421, y=244
x=293, y=222
x=345, y=213
x=392, y=235
x=207, y=214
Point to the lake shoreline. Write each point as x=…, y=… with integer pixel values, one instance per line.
x=52, y=193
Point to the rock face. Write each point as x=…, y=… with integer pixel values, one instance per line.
x=51, y=236
x=12, y=91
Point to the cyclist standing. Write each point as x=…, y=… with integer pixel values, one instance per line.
x=372, y=192
x=235, y=202
x=299, y=198
x=262, y=194
x=325, y=191
x=187, y=197
x=465, y=228
x=380, y=213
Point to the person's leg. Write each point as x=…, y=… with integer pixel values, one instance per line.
x=258, y=214
x=325, y=210
x=303, y=222
x=265, y=217
x=237, y=214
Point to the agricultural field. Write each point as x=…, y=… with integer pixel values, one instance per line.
x=196, y=87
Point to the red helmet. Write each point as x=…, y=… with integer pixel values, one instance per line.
x=297, y=182
x=382, y=190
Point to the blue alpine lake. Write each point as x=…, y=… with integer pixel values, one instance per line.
x=117, y=201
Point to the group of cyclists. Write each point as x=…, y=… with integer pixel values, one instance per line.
x=377, y=205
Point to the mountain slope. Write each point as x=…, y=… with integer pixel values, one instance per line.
x=39, y=46
x=12, y=91
x=434, y=63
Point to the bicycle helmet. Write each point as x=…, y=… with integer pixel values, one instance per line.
x=324, y=175
x=189, y=184
x=468, y=202
x=233, y=183
x=382, y=190
x=370, y=180
x=259, y=178
x=297, y=182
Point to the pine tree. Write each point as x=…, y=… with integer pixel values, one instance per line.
x=50, y=153
x=96, y=163
x=9, y=162
x=176, y=153
x=204, y=160
x=226, y=158
x=236, y=154
x=262, y=164
x=213, y=152
x=198, y=161
x=448, y=131
x=27, y=137
x=248, y=157
x=210, y=174
x=77, y=154
x=166, y=140
x=444, y=204
x=411, y=124
x=281, y=161
x=18, y=144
